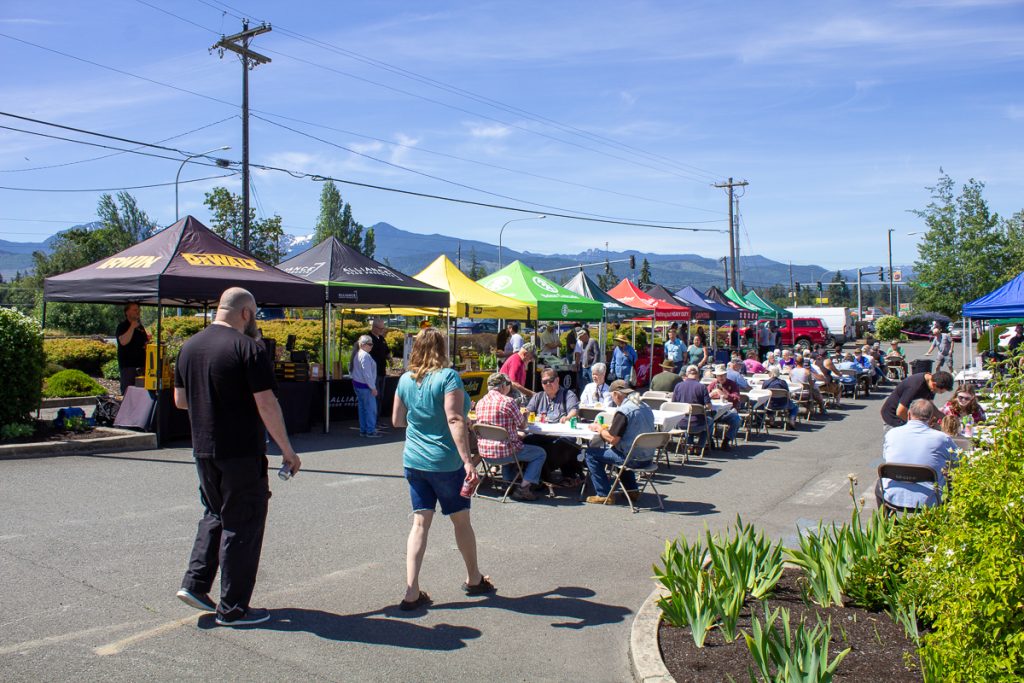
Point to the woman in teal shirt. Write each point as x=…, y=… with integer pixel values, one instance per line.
x=432, y=404
x=697, y=353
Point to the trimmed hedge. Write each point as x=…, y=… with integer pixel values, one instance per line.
x=888, y=327
x=69, y=383
x=21, y=356
x=87, y=355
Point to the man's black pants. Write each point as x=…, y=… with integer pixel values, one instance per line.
x=234, y=493
x=380, y=399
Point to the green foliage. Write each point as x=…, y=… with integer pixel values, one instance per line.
x=87, y=355
x=22, y=360
x=745, y=560
x=53, y=369
x=476, y=269
x=888, y=327
x=790, y=655
x=608, y=279
x=1014, y=263
x=644, y=279
x=111, y=370
x=264, y=234
x=68, y=383
x=964, y=251
x=336, y=221
x=183, y=326
x=16, y=430
x=84, y=318
x=983, y=344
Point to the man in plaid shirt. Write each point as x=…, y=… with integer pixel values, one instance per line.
x=498, y=409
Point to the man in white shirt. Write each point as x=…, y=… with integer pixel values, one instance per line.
x=597, y=391
x=515, y=341
x=916, y=443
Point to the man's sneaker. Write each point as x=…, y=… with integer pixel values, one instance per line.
x=373, y=435
x=252, y=616
x=199, y=601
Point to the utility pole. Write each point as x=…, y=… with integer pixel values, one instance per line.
x=891, y=309
x=239, y=44
x=860, y=310
x=732, y=227
x=792, y=289
x=739, y=270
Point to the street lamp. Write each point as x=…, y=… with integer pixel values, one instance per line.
x=891, y=308
x=502, y=231
x=223, y=163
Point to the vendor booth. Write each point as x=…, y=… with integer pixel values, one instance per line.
x=765, y=308
x=350, y=281
x=657, y=310
x=1005, y=303
x=185, y=264
x=743, y=309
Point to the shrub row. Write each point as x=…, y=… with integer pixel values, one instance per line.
x=69, y=383
x=87, y=355
x=21, y=357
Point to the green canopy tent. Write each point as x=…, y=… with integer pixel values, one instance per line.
x=769, y=310
x=553, y=302
x=734, y=296
x=614, y=310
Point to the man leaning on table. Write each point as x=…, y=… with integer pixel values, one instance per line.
x=499, y=409
x=613, y=441
x=916, y=443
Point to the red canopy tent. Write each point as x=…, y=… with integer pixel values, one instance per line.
x=661, y=310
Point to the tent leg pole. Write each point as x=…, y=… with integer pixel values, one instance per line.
x=326, y=364
x=159, y=374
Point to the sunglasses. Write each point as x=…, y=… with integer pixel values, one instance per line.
x=548, y=381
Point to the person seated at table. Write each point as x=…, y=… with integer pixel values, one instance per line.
x=497, y=408
x=724, y=389
x=735, y=373
x=623, y=359
x=555, y=403
x=916, y=443
x=847, y=380
x=774, y=381
x=692, y=391
x=674, y=350
x=550, y=344
x=613, y=442
x=787, y=360
x=1015, y=340
x=802, y=375
x=696, y=352
x=514, y=367
x=753, y=365
x=667, y=379
x=921, y=385
x=866, y=365
x=961, y=408
x=596, y=393
x=771, y=361
x=868, y=354
x=821, y=373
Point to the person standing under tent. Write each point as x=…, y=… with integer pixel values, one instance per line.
x=674, y=350
x=363, y=370
x=623, y=359
x=131, y=346
x=381, y=355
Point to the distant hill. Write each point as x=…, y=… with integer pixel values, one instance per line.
x=410, y=252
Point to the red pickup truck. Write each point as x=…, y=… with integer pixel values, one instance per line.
x=804, y=332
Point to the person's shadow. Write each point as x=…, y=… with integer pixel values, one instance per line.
x=373, y=628
x=564, y=601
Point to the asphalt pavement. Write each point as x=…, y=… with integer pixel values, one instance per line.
x=92, y=549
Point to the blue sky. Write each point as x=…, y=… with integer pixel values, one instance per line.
x=839, y=114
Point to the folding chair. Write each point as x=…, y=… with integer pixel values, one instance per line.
x=491, y=467
x=805, y=399
x=644, y=473
x=655, y=399
x=753, y=418
x=778, y=413
x=914, y=474
x=850, y=386
x=895, y=368
x=683, y=436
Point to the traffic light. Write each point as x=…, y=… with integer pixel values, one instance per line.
x=819, y=286
x=881, y=273
x=796, y=286
x=632, y=261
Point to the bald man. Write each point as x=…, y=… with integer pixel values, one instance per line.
x=225, y=381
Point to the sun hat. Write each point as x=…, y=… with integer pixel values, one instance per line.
x=720, y=370
x=621, y=338
x=668, y=365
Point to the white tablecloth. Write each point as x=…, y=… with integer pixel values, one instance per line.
x=973, y=375
x=559, y=429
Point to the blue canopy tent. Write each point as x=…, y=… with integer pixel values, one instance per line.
x=1005, y=302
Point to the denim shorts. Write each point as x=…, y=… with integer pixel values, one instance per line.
x=429, y=488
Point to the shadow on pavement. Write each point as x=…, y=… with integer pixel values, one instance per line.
x=565, y=601
x=364, y=628
x=272, y=467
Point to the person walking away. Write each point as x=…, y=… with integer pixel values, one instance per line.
x=942, y=343
x=131, y=346
x=225, y=382
x=381, y=355
x=364, y=380
x=613, y=442
x=431, y=404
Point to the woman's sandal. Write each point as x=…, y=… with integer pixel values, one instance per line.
x=409, y=605
x=484, y=587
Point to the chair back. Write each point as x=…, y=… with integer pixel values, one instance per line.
x=913, y=474
x=588, y=414
x=848, y=373
x=656, y=394
x=490, y=432
x=654, y=402
x=674, y=407
x=779, y=392
x=650, y=440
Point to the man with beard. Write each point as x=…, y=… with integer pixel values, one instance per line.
x=225, y=382
x=131, y=346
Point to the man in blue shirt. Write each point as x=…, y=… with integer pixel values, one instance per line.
x=916, y=443
x=623, y=359
x=735, y=373
x=674, y=350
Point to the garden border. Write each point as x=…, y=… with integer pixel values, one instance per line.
x=644, y=651
x=118, y=440
x=67, y=402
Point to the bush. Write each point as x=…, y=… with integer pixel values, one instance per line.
x=983, y=344
x=69, y=383
x=16, y=430
x=84, y=318
x=888, y=327
x=111, y=370
x=87, y=355
x=183, y=326
x=52, y=369
x=21, y=357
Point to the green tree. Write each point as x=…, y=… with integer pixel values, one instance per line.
x=124, y=218
x=839, y=292
x=963, y=254
x=264, y=234
x=476, y=269
x=336, y=220
x=644, y=280
x=369, y=243
x=608, y=278
x=1014, y=228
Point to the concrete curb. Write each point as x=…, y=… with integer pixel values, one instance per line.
x=67, y=402
x=115, y=440
x=644, y=652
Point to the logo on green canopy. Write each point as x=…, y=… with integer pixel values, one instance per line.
x=565, y=310
x=544, y=284
x=499, y=283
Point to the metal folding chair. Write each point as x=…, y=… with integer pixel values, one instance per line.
x=644, y=473
x=805, y=399
x=778, y=413
x=847, y=386
x=683, y=436
x=655, y=399
x=914, y=474
x=491, y=472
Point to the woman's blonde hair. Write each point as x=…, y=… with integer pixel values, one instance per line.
x=429, y=353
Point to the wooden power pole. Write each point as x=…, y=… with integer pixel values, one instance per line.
x=732, y=227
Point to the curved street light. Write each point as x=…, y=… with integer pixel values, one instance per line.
x=223, y=163
x=502, y=231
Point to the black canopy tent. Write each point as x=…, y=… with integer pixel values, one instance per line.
x=351, y=280
x=185, y=264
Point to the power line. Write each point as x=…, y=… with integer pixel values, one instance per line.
x=113, y=189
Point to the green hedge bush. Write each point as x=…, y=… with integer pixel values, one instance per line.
x=888, y=327
x=87, y=355
x=69, y=383
x=21, y=356
x=111, y=370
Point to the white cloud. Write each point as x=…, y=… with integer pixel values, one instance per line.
x=495, y=131
x=25, y=21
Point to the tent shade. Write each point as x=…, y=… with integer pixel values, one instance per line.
x=614, y=309
x=466, y=299
x=718, y=296
x=1005, y=302
x=185, y=264
x=553, y=302
x=350, y=278
x=769, y=309
x=699, y=303
x=696, y=312
x=631, y=295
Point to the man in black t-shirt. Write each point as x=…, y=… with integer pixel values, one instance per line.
x=380, y=354
x=131, y=346
x=225, y=381
x=896, y=409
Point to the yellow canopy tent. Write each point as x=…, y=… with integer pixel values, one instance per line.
x=467, y=299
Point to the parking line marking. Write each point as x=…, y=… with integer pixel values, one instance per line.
x=119, y=645
x=74, y=635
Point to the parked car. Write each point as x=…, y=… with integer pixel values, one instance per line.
x=802, y=332
x=469, y=326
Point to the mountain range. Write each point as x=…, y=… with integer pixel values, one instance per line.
x=410, y=252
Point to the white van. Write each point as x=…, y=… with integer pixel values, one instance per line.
x=838, y=320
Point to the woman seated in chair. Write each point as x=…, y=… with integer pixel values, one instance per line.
x=782, y=402
x=962, y=411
